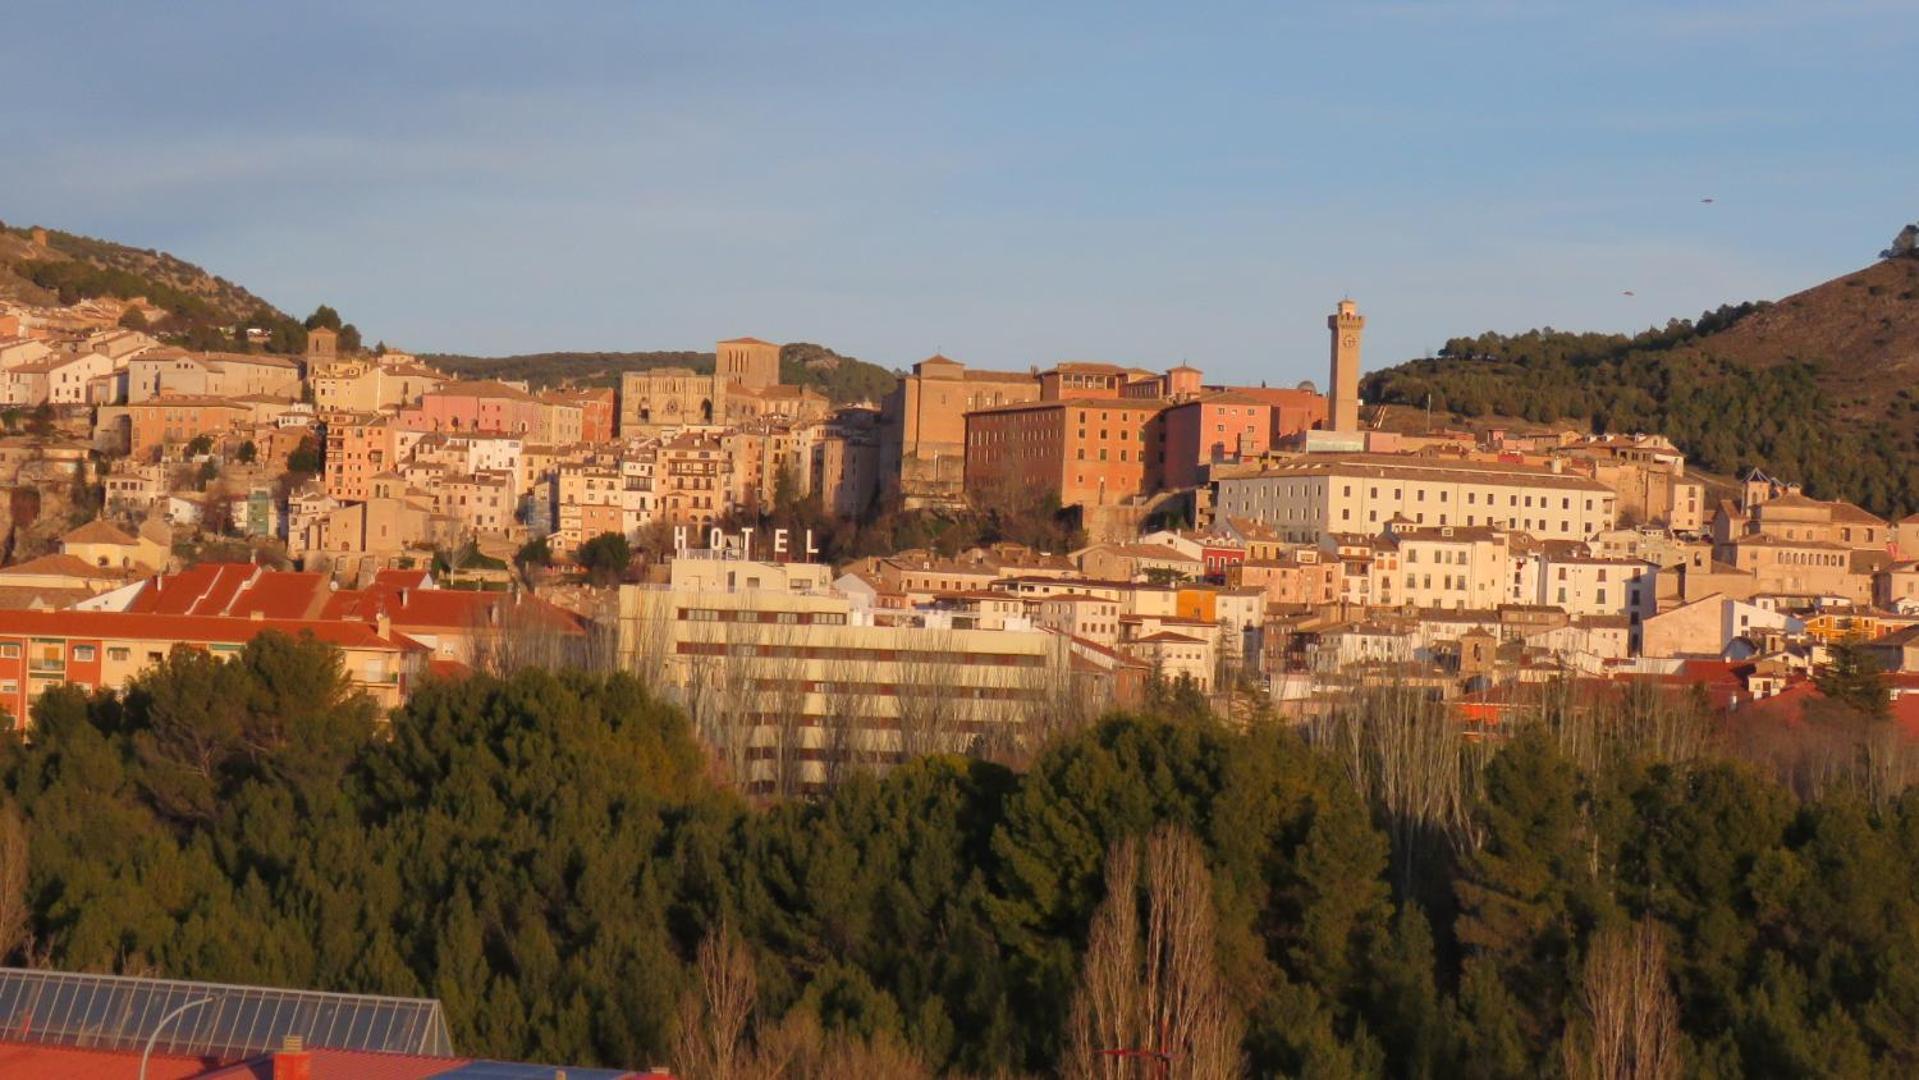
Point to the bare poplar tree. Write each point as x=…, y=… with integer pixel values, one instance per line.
x=926, y=696
x=1628, y=1024
x=844, y=717
x=647, y=637
x=715, y=687
x=1107, y=1012
x=1154, y=992
x=1411, y=761
x=525, y=632
x=15, y=912
x=711, y=1042
x=782, y=698
x=799, y=1047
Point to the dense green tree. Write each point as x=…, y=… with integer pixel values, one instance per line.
x=605, y=558
x=543, y=852
x=323, y=317
x=535, y=552
x=305, y=458
x=1853, y=678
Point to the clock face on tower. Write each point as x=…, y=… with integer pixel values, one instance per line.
x=1349, y=341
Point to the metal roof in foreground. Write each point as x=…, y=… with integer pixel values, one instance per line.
x=119, y=1012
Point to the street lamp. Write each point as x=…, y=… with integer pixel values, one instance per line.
x=162, y=1026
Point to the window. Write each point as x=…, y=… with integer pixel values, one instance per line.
x=119, y=653
x=10, y=651
x=84, y=653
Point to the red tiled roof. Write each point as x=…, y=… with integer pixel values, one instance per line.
x=283, y=595
x=191, y=629
x=401, y=579
x=73, y=1063
x=203, y=589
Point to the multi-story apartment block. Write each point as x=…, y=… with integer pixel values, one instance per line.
x=483, y=503
x=1452, y=566
x=1306, y=498
x=109, y=649
x=358, y=448
x=1593, y=586
x=796, y=687
x=1300, y=575
x=1085, y=451
x=692, y=480
x=593, y=499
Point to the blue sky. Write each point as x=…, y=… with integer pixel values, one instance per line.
x=1011, y=184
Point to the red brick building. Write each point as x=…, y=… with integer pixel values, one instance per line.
x=1086, y=451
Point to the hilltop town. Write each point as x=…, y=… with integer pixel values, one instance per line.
x=1265, y=549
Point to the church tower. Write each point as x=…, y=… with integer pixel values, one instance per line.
x=1347, y=324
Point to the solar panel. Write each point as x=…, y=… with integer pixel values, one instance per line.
x=119, y=1012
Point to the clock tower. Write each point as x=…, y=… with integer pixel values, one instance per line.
x=1347, y=324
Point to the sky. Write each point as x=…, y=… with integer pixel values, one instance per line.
x=1009, y=184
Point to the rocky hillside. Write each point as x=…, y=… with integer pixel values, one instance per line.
x=69, y=267
x=1820, y=385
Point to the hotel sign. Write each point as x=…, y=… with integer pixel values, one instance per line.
x=780, y=544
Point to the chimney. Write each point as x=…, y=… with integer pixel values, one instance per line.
x=291, y=1061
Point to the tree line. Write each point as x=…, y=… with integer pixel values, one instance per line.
x=1612, y=888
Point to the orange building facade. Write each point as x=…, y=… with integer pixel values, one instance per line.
x=1090, y=451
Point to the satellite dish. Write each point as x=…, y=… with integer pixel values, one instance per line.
x=1307, y=385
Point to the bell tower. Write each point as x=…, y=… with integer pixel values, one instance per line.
x=1346, y=324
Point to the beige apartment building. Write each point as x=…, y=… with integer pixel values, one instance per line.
x=1593, y=586
x=1304, y=575
x=481, y=503
x=1452, y=566
x=1305, y=499
x=367, y=385
x=794, y=688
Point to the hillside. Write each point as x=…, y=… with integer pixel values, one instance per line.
x=842, y=379
x=1819, y=385
x=70, y=267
